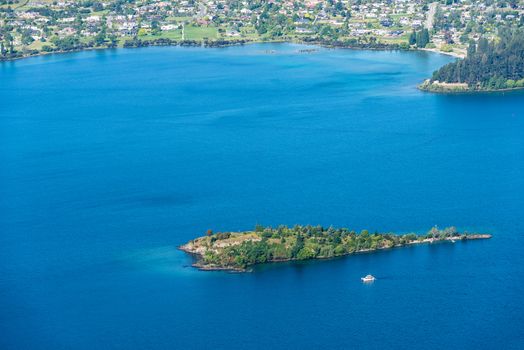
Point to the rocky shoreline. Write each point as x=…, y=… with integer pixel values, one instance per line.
x=458, y=88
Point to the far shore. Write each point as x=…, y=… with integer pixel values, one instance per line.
x=384, y=47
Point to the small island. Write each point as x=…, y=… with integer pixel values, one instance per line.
x=237, y=251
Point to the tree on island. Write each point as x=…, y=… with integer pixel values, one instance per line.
x=433, y=233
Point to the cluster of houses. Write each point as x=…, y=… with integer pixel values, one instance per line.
x=40, y=20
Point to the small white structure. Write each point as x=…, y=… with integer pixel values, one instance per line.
x=368, y=278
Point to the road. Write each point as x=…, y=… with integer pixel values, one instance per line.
x=430, y=19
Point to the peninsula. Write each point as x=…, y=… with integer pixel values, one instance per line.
x=489, y=66
x=236, y=251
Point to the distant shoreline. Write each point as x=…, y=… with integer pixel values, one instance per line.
x=223, y=44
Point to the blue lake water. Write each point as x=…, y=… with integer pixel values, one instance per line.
x=111, y=159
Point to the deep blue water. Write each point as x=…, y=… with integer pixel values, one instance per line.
x=109, y=160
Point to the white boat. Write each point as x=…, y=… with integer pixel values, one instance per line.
x=368, y=278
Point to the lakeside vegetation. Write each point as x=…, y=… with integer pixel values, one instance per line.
x=239, y=250
x=489, y=66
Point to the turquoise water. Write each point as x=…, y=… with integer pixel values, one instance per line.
x=111, y=159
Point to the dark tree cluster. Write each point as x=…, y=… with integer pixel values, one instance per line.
x=420, y=38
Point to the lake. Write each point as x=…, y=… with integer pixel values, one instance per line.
x=111, y=159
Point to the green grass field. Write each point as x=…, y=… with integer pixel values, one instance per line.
x=191, y=33
x=199, y=33
x=37, y=45
x=170, y=34
x=399, y=40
